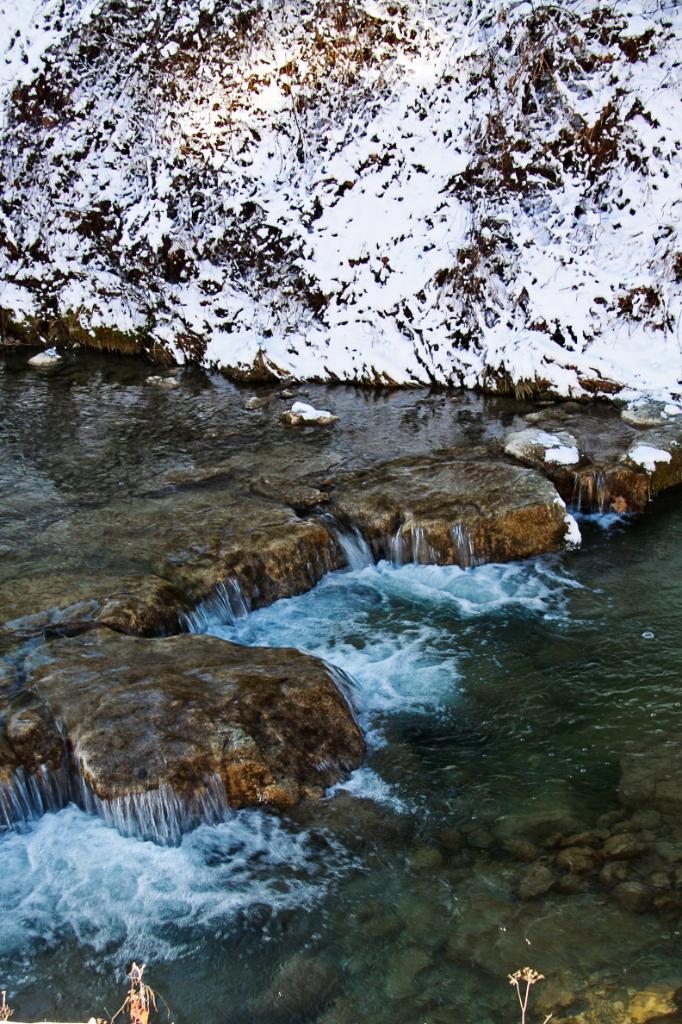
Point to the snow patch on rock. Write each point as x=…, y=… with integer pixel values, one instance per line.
x=647, y=457
x=301, y=412
x=534, y=445
x=573, y=535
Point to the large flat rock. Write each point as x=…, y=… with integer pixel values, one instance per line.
x=161, y=734
x=459, y=509
x=138, y=566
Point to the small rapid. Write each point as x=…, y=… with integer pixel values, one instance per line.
x=399, y=631
x=69, y=879
x=487, y=694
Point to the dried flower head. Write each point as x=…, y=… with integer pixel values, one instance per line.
x=526, y=974
x=5, y=1011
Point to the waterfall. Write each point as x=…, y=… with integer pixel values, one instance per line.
x=409, y=544
x=227, y=603
x=464, y=546
x=161, y=815
x=591, y=491
x=356, y=551
x=28, y=795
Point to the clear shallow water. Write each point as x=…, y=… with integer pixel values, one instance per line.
x=488, y=695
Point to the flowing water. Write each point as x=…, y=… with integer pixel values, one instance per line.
x=491, y=697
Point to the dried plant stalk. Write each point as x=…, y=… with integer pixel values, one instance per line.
x=529, y=976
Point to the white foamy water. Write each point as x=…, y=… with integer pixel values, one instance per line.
x=69, y=877
x=396, y=630
x=367, y=784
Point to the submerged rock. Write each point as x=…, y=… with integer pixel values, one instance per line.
x=652, y=779
x=535, y=881
x=163, y=734
x=301, y=989
x=649, y=412
x=460, y=511
x=633, y=896
x=654, y=1003
x=257, y=402
x=167, y=383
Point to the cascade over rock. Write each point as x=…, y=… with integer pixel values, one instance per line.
x=461, y=509
x=177, y=550
x=165, y=733
x=625, y=461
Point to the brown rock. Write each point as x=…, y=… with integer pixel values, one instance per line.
x=450, y=839
x=535, y=881
x=647, y=818
x=633, y=896
x=625, y=846
x=481, y=839
x=403, y=970
x=610, y=819
x=593, y=838
x=179, y=549
x=453, y=510
x=578, y=860
x=670, y=853
x=652, y=779
x=189, y=713
x=426, y=858
x=653, y=1003
x=520, y=849
x=301, y=989
x=142, y=606
x=571, y=884
x=612, y=873
x=33, y=765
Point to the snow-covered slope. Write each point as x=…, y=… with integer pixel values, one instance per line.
x=466, y=192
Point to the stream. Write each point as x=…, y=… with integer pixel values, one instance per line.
x=496, y=700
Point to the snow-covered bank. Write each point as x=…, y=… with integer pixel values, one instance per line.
x=475, y=193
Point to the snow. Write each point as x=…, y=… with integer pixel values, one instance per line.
x=647, y=457
x=309, y=414
x=573, y=536
x=334, y=202
x=562, y=455
x=524, y=445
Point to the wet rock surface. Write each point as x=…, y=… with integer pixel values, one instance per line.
x=188, y=719
x=132, y=526
x=128, y=507
x=461, y=511
x=625, y=460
